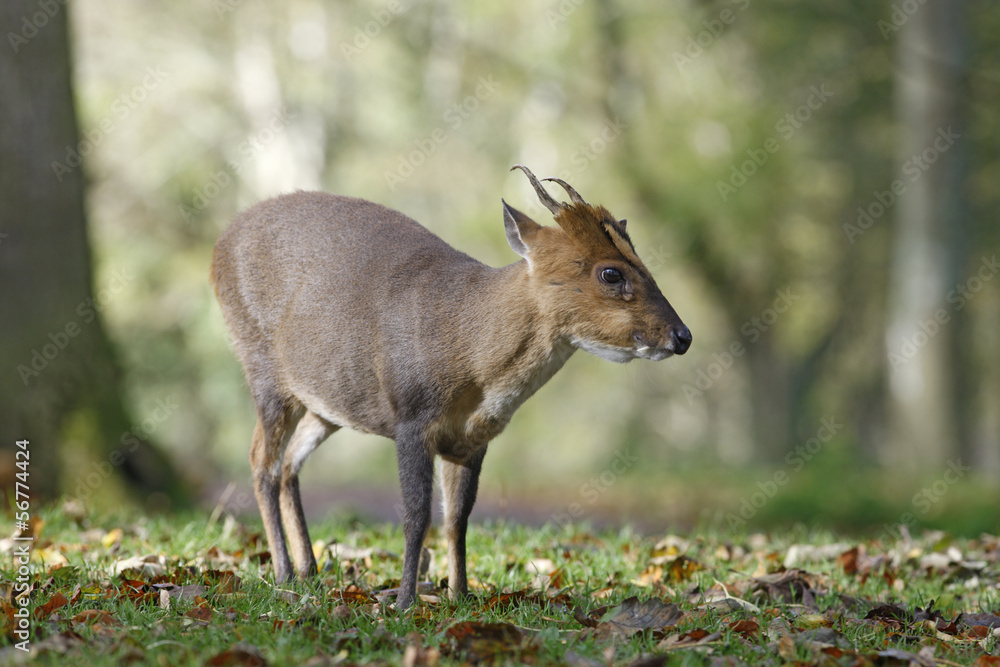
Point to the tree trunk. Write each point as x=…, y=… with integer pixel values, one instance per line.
x=60, y=379
x=926, y=383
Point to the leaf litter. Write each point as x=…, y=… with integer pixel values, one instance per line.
x=749, y=600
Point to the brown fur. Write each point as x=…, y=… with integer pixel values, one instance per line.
x=347, y=313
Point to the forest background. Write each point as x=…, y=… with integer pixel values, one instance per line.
x=814, y=185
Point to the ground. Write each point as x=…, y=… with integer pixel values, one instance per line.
x=195, y=590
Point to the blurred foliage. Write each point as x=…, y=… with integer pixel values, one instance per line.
x=196, y=110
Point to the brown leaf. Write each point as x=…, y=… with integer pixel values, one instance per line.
x=225, y=582
x=987, y=661
x=632, y=616
x=889, y=614
x=848, y=561
x=979, y=632
x=688, y=639
x=786, y=647
x=353, y=595
x=240, y=655
x=789, y=586
x=417, y=655
x=749, y=630
x=55, y=602
x=100, y=622
x=96, y=617
x=201, y=613
x=485, y=641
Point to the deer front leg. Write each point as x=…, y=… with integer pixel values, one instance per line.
x=416, y=477
x=460, y=483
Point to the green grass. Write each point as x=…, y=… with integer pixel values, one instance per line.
x=567, y=616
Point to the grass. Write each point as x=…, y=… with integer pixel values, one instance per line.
x=550, y=595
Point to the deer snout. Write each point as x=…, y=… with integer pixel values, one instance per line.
x=676, y=339
x=680, y=339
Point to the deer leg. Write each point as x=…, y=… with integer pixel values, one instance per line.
x=309, y=434
x=416, y=477
x=459, y=484
x=266, y=452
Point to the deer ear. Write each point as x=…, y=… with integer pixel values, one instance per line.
x=519, y=229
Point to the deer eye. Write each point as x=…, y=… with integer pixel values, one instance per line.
x=611, y=276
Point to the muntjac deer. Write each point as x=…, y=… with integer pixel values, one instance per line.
x=345, y=313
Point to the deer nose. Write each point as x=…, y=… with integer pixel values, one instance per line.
x=680, y=339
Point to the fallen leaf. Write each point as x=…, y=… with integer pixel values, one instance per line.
x=479, y=642
x=802, y=554
x=695, y=637
x=989, y=620
x=150, y=565
x=907, y=658
x=112, y=537
x=57, y=601
x=682, y=567
x=788, y=586
x=418, y=655
x=175, y=592
x=748, y=629
x=96, y=617
x=200, y=613
x=240, y=655
x=99, y=621
x=633, y=616
x=224, y=581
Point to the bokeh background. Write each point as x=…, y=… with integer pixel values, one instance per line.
x=814, y=185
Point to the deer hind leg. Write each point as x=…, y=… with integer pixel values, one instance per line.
x=276, y=419
x=459, y=485
x=311, y=431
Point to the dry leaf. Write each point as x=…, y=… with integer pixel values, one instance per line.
x=241, y=655
x=480, y=642
x=57, y=601
x=633, y=616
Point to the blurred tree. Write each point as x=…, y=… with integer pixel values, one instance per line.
x=60, y=384
x=928, y=371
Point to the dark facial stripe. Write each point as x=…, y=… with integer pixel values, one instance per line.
x=623, y=243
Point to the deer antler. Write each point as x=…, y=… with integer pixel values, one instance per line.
x=544, y=196
x=573, y=194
